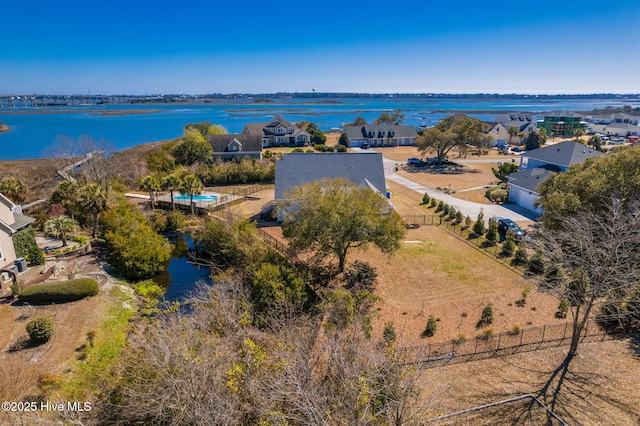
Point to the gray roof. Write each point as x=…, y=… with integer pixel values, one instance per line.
x=384, y=130
x=20, y=221
x=529, y=179
x=363, y=169
x=220, y=143
x=267, y=128
x=563, y=153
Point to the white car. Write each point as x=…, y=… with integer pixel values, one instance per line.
x=414, y=161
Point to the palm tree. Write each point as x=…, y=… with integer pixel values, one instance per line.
x=61, y=226
x=595, y=141
x=577, y=133
x=171, y=183
x=513, y=131
x=152, y=186
x=14, y=190
x=93, y=197
x=191, y=185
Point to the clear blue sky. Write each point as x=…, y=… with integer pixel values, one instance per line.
x=192, y=46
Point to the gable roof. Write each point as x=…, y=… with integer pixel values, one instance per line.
x=268, y=128
x=220, y=143
x=17, y=219
x=563, y=153
x=530, y=179
x=363, y=169
x=386, y=130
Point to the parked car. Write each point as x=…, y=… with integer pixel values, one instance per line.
x=365, y=145
x=414, y=160
x=505, y=224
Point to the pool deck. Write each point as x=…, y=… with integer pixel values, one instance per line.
x=201, y=206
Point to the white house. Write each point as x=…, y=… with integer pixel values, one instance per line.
x=11, y=221
x=379, y=135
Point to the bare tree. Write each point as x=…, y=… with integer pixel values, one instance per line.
x=592, y=259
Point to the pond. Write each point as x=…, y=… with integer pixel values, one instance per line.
x=181, y=276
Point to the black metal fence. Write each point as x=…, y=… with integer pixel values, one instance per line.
x=507, y=343
x=277, y=244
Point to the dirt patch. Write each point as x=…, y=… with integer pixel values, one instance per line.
x=471, y=175
x=600, y=387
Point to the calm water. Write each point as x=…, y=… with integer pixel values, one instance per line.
x=37, y=132
x=181, y=277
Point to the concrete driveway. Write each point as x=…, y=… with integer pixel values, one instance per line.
x=468, y=208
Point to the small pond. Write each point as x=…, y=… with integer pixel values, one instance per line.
x=181, y=276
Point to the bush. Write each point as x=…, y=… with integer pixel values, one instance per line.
x=433, y=202
x=563, y=308
x=24, y=242
x=361, y=276
x=515, y=330
x=341, y=148
x=486, y=333
x=65, y=291
x=537, y=265
x=389, y=333
x=521, y=255
x=509, y=246
x=478, y=227
x=426, y=198
x=492, y=233
x=430, y=330
x=40, y=330
x=440, y=206
x=487, y=315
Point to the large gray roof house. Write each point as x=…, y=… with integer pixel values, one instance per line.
x=538, y=164
x=363, y=169
x=236, y=146
x=376, y=135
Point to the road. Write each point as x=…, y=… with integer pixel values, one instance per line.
x=468, y=208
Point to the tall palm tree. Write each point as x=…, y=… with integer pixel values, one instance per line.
x=513, y=131
x=61, y=226
x=191, y=185
x=93, y=197
x=14, y=190
x=152, y=186
x=172, y=183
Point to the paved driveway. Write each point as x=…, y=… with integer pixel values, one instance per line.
x=468, y=208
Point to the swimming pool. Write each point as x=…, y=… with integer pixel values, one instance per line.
x=199, y=197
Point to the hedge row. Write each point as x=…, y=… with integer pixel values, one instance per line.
x=65, y=291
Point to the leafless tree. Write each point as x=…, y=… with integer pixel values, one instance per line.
x=593, y=259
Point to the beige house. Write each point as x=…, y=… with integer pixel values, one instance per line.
x=278, y=132
x=11, y=221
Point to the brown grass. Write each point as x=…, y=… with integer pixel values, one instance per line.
x=471, y=176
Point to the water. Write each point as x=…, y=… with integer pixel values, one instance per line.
x=181, y=276
x=201, y=197
x=38, y=132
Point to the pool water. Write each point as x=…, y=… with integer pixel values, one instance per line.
x=200, y=197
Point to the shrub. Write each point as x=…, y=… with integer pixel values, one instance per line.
x=492, y=233
x=445, y=209
x=467, y=221
x=361, y=276
x=521, y=255
x=509, y=246
x=486, y=333
x=430, y=330
x=563, y=308
x=478, y=227
x=537, y=265
x=64, y=291
x=426, y=198
x=433, y=202
x=389, y=333
x=297, y=150
x=440, y=206
x=460, y=338
x=515, y=330
x=341, y=148
x=40, y=330
x=459, y=216
x=24, y=242
x=487, y=315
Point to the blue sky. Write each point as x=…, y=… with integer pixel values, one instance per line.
x=195, y=47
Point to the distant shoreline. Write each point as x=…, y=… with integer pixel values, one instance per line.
x=96, y=112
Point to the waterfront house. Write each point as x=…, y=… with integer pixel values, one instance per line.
x=11, y=221
x=538, y=164
x=380, y=135
x=236, y=146
x=497, y=133
x=623, y=125
x=278, y=132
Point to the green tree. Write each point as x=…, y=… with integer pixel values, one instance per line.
x=40, y=330
x=276, y=285
x=595, y=141
x=194, y=149
x=395, y=118
x=589, y=185
x=492, y=232
x=334, y=216
x=61, y=226
x=135, y=250
x=67, y=194
x=93, y=198
x=532, y=141
x=344, y=140
x=577, y=134
x=479, y=227
x=171, y=183
x=317, y=136
x=504, y=170
x=542, y=134
x=358, y=121
x=152, y=186
x=513, y=131
x=14, y=190
x=451, y=132
x=191, y=185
